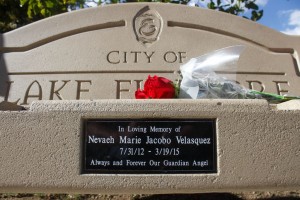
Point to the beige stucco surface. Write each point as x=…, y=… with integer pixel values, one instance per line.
x=96, y=53
x=258, y=147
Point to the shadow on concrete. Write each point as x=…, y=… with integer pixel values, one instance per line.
x=209, y=196
x=204, y=196
x=3, y=71
x=281, y=198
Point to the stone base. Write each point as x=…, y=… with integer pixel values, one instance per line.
x=257, y=147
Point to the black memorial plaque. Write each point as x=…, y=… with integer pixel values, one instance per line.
x=149, y=146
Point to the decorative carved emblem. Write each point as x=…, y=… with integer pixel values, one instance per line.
x=147, y=26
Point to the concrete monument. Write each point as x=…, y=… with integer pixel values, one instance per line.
x=82, y=131
x=106, y=53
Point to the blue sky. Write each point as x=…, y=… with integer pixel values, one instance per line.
x=281, y=15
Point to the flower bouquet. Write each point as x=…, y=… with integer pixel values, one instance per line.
x=200, y=80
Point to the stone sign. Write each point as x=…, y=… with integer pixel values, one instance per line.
x=88, y=134
x=107, y=53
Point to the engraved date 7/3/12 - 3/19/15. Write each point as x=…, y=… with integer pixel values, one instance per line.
x=156, y=151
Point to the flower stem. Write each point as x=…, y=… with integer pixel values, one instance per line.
x=274, y=98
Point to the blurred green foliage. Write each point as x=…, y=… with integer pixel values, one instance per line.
x=16, y=13
x=12, y=15
x=47, y=8
x=237, y=7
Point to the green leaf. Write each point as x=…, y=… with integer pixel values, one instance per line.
x=257, y=15
x=49, y=4
x=251, y=5
x=29, y=13
x=211, y=5
x=23, y=2
x=43, y=12
x=231, y=10
x=221, y=9
x=40, y=5
x=35, y=9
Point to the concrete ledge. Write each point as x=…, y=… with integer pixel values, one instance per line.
x=145, y=105
x=289, y=105
x=258, y=147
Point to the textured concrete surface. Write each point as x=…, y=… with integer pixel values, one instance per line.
x=98, y=53
x=106, y=53
x=279, y=195
x=258, y=147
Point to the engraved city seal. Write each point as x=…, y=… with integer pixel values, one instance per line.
x=147, y=26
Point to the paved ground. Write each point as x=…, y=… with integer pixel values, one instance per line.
x=291, y=195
